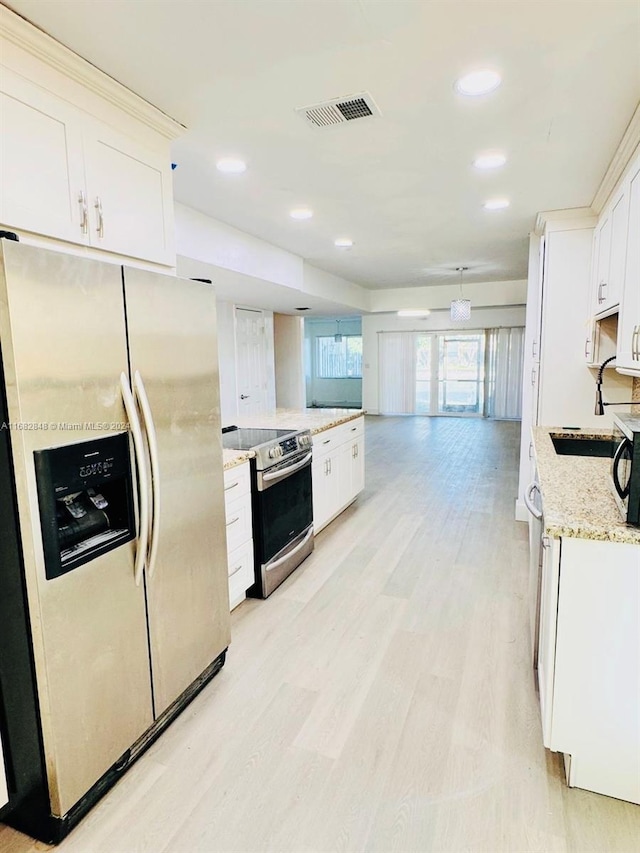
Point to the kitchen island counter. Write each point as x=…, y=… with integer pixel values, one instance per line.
x=316, y=420
x=576, y=492
x=232, y=458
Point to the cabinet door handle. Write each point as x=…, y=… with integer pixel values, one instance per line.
x=634, y=343
x=534, y=349
x=235, y=571
x=329, y=463
x=100, y=225
x=601, y=287
x=533, y=376
x=530, y=450
x=232, y=486
x=233, y=521
x=84, y=213
x=587, y=347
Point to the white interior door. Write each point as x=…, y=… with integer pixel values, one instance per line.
x=251, y=361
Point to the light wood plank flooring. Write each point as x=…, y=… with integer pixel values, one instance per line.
x=382, y=699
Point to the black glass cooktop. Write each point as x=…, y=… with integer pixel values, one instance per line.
x=247, y=439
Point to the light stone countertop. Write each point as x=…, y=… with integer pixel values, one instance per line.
x=232, y=458
x=316, y=420
x=576, y=495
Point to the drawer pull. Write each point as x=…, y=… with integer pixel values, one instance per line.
x=232, y=486
x=353, y=429
x=326, y=441
x=235, y=571
x=233, y=521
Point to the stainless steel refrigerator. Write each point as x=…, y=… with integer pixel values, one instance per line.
x=114, y=604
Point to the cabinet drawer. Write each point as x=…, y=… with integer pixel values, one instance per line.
x=237, y=482
x=351, y=430
x=326, y=440
x=238, y=514
x=240, y=567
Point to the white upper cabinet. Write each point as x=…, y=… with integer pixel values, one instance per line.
x=628, y=353
x=82, y=159
x=127, y=196
x=41, y=168
x=610, y=253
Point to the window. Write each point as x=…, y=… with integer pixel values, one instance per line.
x=339, y=359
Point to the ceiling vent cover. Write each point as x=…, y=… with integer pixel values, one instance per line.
x=339, y=110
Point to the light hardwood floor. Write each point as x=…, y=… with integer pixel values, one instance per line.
x=382, y=699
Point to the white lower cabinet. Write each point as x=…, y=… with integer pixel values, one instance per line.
x=589, y=663
x=237, y=495
x=337, y=470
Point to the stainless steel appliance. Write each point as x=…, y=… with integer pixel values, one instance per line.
x=281, y=501
x=625, y=468
x=113, y=578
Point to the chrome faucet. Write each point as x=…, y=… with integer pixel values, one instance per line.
x=599, y=410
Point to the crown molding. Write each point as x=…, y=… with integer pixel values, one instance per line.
x=565, y=220
x=25, y=35
x=624, y=152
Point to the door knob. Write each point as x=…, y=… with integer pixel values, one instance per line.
x=244, y=396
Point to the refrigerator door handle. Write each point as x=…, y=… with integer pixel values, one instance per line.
x=143, y=482
x=152, y=439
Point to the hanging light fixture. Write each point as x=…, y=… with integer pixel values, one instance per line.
x=461, y=308
x=337, y=337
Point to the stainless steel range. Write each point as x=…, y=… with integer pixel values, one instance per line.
x=281, y=501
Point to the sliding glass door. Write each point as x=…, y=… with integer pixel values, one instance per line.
x=460, y=374
x=431, y=373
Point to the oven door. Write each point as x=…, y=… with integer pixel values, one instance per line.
x=284, y=505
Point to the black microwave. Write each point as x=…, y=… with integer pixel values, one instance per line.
x=625, y=468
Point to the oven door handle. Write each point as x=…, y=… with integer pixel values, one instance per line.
x=284, y=472
x=271, y=566
x=528, y=499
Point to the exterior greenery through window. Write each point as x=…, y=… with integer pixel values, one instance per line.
x=339, y=359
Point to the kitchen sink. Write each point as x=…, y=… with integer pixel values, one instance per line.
x=571, y=446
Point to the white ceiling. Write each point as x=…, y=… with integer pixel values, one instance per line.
x=402, y=185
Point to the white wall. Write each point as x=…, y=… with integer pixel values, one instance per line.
x=485, y=294
x=317, y=282
x=205, y=239
x=341, y=392
x=288, y=333
x=481, y=318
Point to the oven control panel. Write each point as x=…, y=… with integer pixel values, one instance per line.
x=290, y=445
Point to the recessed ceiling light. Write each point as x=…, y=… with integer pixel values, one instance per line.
x=496, y=204
x=479, y=82
x=301, y=213
x=231, y=166
x=343, y=242
x=413, y=313
x=489, y=161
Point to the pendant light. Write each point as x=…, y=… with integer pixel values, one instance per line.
x=461, y=308
x=337, y=337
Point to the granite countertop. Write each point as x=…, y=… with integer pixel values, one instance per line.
x=316, y=420
x=576, y=494
x=231, y=458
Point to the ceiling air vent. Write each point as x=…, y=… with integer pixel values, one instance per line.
x=339, y=110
